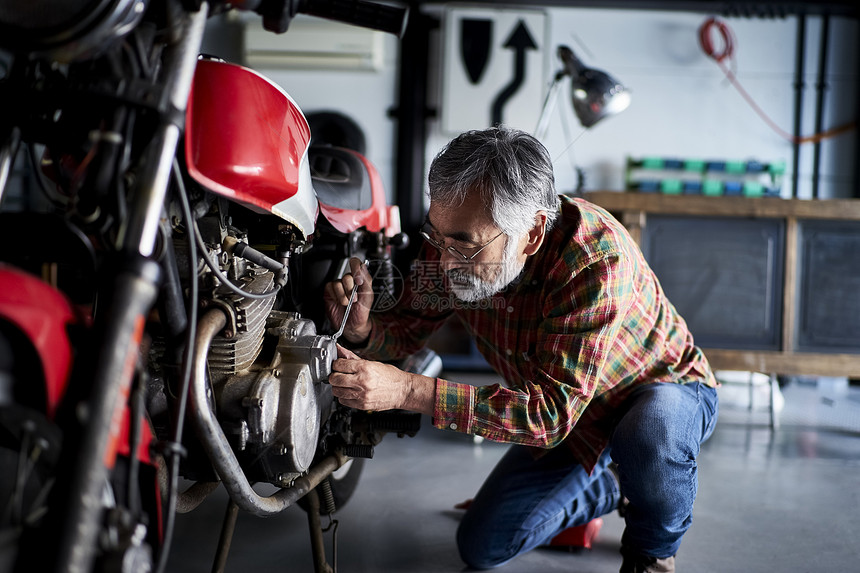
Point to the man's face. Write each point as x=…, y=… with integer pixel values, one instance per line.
x=469, y=228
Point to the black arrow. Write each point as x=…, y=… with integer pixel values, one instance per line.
x=520, y=40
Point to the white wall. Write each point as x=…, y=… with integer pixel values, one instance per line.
x=682, y=104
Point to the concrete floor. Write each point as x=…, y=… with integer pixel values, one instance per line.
x=784, y=500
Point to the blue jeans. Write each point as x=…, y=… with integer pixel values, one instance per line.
x=525, y=502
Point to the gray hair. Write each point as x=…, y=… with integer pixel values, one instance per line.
x=510, y=169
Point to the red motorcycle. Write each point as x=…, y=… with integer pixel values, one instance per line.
x=168, y=270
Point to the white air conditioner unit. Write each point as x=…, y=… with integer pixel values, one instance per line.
x=313, y=43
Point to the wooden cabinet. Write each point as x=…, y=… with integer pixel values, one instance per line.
x=772, y=285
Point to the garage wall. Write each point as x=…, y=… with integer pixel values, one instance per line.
x=682, y=104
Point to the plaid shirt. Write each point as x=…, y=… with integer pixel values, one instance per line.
x=586, y=323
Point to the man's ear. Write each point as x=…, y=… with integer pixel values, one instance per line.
x=535, y=237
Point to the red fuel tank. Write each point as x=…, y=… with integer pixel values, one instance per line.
x=247, y=140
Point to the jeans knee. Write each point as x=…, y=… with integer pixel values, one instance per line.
x=642, y=452
x=483, y=545
x=477, y=550
x=479, y=560
x=655, y=468
x=654, y=439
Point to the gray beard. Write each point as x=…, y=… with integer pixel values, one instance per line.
x=470, y=288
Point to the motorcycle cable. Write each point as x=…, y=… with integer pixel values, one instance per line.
x=175, y=446
x=53, y=197
x=213, y=266
x=123, y=165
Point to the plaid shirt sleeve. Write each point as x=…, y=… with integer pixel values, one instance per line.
x=580, y=319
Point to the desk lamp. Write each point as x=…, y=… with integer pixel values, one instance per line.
x=594, y=93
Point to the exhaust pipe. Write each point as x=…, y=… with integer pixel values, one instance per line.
x=218, y=449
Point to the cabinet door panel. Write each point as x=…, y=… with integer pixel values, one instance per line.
x=724, y=275
x=828, y=312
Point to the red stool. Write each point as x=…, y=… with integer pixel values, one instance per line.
x=579, y=536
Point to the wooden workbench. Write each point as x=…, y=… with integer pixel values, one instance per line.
x=633, y=210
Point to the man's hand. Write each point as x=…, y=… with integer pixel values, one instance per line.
x=336, y=297
x=368, y=385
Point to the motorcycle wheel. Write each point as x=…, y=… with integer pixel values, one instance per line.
x=29, y=442
x=28, y=447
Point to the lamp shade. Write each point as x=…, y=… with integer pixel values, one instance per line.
x=594, y=93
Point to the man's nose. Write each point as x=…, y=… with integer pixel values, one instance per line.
x=449, y=260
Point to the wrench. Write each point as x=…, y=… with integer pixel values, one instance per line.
x=352, y=295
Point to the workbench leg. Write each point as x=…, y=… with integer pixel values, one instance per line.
x=774, y=390
x=751, y=390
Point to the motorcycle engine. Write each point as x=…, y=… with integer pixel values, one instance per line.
x=273, y=414
x=267, y=371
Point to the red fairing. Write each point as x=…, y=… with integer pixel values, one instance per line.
x=143, y=446
x=147, y=438
x=378, y=217
x=42, y=313
x=247, y=140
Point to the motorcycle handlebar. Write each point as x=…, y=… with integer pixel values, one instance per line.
x=382, y=17
x=391, y=19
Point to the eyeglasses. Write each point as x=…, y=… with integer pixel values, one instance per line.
x=453, y=250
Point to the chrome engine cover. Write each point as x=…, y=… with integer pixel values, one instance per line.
x=274, y=414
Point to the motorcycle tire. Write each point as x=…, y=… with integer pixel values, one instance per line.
x=29, y=442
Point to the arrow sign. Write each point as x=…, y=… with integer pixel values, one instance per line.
x=494, y=67
x=519, y=41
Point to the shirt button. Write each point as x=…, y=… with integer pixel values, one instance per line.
x=510, y=309
x=453, y=426
x=509, y=351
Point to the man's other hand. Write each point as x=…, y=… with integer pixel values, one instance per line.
x=336, y=297
x=368, y=385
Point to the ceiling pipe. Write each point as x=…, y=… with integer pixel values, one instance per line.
x=821, y=89
x=798, y=102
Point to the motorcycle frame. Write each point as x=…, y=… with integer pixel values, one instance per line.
x=119, y=327
x=96, y=413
